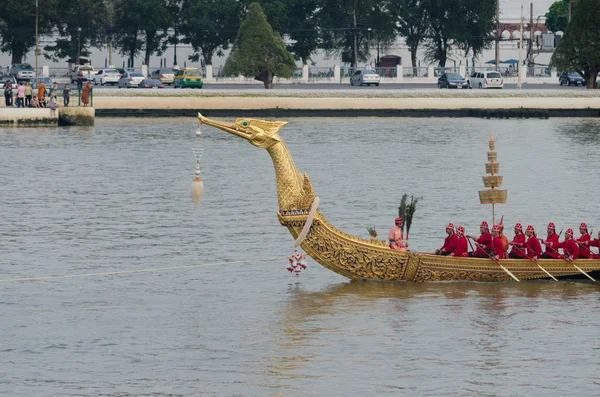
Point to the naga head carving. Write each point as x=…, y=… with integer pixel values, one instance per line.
x=260, y=133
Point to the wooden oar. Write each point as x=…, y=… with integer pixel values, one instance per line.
x=572, y=263
x=536, y=263
x=498, y=263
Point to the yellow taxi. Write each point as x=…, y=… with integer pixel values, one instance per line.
x=188, y=77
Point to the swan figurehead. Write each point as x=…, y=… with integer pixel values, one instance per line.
x=260, y=133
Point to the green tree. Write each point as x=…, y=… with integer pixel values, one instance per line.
x=557, y=17
x=209, y=26
x=348, y=26
x=141, y=24
x=579, y=49
x=80, y=26
x=258, y=51
x=412, y=23
x=460, y=24
x=17, y=25
x=298, y=21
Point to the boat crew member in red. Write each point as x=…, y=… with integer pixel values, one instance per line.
x=504, y=240
x=534, y=248
x=449, y=242
x=395, y=236
x=484, y=242
x=498, y=247
x=584, y=242
x=462, y=245
x=595, y=243
x=569, y=246
x=519, y=243
x=551, y=243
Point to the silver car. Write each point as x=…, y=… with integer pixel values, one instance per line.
x=22, y=71
x=130, y=79
x=365, y=77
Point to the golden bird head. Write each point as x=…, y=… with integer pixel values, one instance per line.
x=260, y=133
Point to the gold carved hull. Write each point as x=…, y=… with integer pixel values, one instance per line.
x=357, y=258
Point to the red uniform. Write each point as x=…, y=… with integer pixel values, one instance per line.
x=486, y=245
x=534, y=248
x=450, y=243
x=584, y=249
x=498, y=247
x=552, y=246
x=462, y=247
x=594, y=243
x=570, y=248
x=519, y=244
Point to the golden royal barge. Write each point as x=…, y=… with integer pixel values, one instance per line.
x=357, y=258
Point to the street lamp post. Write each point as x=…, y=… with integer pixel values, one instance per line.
x=78, y=44
x=36, y=41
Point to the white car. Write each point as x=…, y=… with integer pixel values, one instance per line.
x=87, y=71
x=107, y=76
x=130, y=79
x=365, y=77
x=489, y=79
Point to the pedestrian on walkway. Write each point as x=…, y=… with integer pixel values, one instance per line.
x=66, y=95
x=28, y=93
x=21, y=96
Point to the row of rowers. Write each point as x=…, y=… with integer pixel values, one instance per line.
x=522, y=246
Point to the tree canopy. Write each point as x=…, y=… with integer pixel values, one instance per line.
x=579, y=49
x=557, y=17
x=259, y=51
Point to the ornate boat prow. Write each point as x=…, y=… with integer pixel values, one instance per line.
x=358, y=258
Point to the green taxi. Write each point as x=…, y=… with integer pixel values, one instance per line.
x=188, y=78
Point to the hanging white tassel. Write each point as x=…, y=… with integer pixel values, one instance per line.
x=197, y=186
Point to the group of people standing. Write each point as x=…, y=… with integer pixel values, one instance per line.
x=45, y=97
x=523, y=246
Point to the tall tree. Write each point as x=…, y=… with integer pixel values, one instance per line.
x=461, y=24
x=579, y=49
x=141, y=24
x=209, y=26
x=80, y=26
x=557, y=17
x=17, y=25
x=412, y=23
x=345, y=27
x=259, y=51
x=298, y=21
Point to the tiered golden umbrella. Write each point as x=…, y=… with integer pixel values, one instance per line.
x=492, y=181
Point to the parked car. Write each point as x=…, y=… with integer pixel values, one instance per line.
x=11, y=79
x=107, y=76
x=43, y=79
x=22, y=71
x=151, y=83
x=488, y=79
x=365, y=77
x=164, y=75
x=87, y=70
x=571, y=78
x=130, y=79
x=452, y=80
x=188, y=78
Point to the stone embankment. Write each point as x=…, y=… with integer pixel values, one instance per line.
x=346, y=102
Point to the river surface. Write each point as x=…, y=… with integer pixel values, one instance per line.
x=84, y=209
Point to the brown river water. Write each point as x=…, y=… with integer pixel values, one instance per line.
x=140, y=294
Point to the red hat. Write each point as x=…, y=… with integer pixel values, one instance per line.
x=530, y=228
x=450, y=225
x=569, y=232
x=461, y=230
x=583, y=225
x=518, y=226
x=496, y=228
x=551, y=226
x=484, y=224
x=398, y=220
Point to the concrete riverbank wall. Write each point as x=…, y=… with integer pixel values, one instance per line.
x=27, y=117
x=290, y=103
